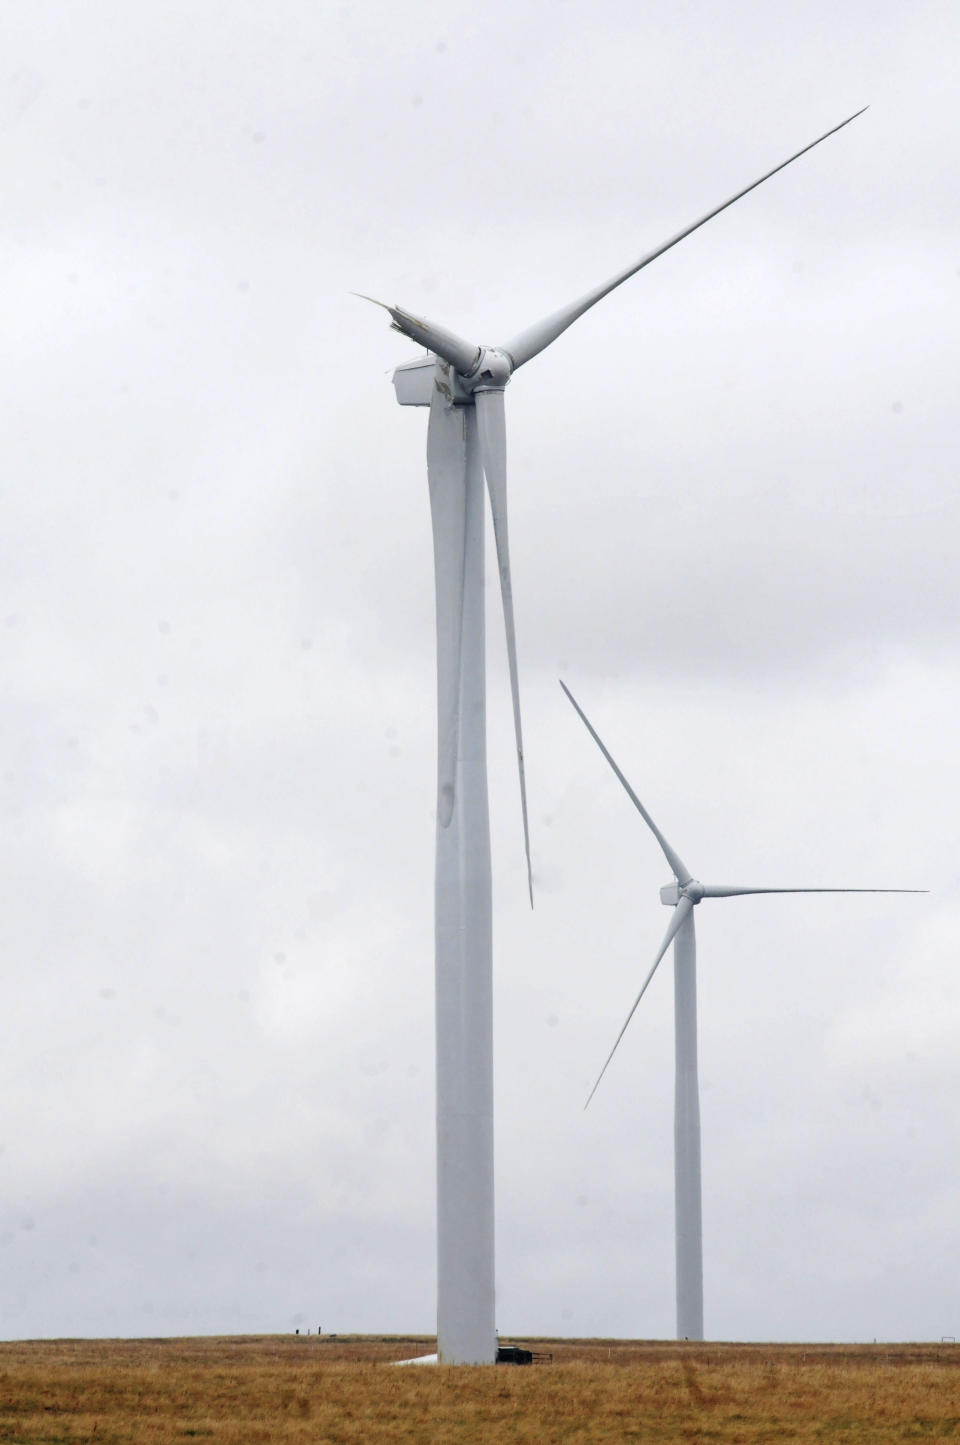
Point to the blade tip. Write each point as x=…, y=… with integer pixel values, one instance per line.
x=362, y=296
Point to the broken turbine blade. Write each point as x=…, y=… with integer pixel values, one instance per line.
x=462, y=355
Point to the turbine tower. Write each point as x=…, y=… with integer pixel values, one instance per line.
x=463, y=385
x=682, y=896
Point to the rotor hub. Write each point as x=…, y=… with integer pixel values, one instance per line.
x=692, y=890
x=491, y=373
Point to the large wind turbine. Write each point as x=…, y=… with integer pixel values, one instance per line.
x=463, y=385
x=682, y=896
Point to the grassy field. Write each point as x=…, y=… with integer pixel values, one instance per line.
x=282, y=1389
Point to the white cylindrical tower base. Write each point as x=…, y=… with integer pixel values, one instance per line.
x=466, y=1330
x=686, y=1138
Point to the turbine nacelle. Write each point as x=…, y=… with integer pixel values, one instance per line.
x=416, y=381
x=671, y=893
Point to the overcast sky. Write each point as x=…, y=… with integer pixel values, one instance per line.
x=734, y=528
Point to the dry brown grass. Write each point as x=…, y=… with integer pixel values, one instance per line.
x=327, y=1391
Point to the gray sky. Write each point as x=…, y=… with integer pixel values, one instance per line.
x=734, y=527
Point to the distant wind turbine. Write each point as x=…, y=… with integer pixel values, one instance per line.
x=683, y=896
x=463, y=385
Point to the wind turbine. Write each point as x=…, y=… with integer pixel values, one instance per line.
x=463, y=385
x=682, y=896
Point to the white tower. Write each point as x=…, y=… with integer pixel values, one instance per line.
x=463, y=384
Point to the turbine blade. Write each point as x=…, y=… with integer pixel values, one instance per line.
x=682, y=911
x=462, y=355
x=722, y=890
x=493, y=451
x=539, y=336
x=680, y=870
x=447, y=478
